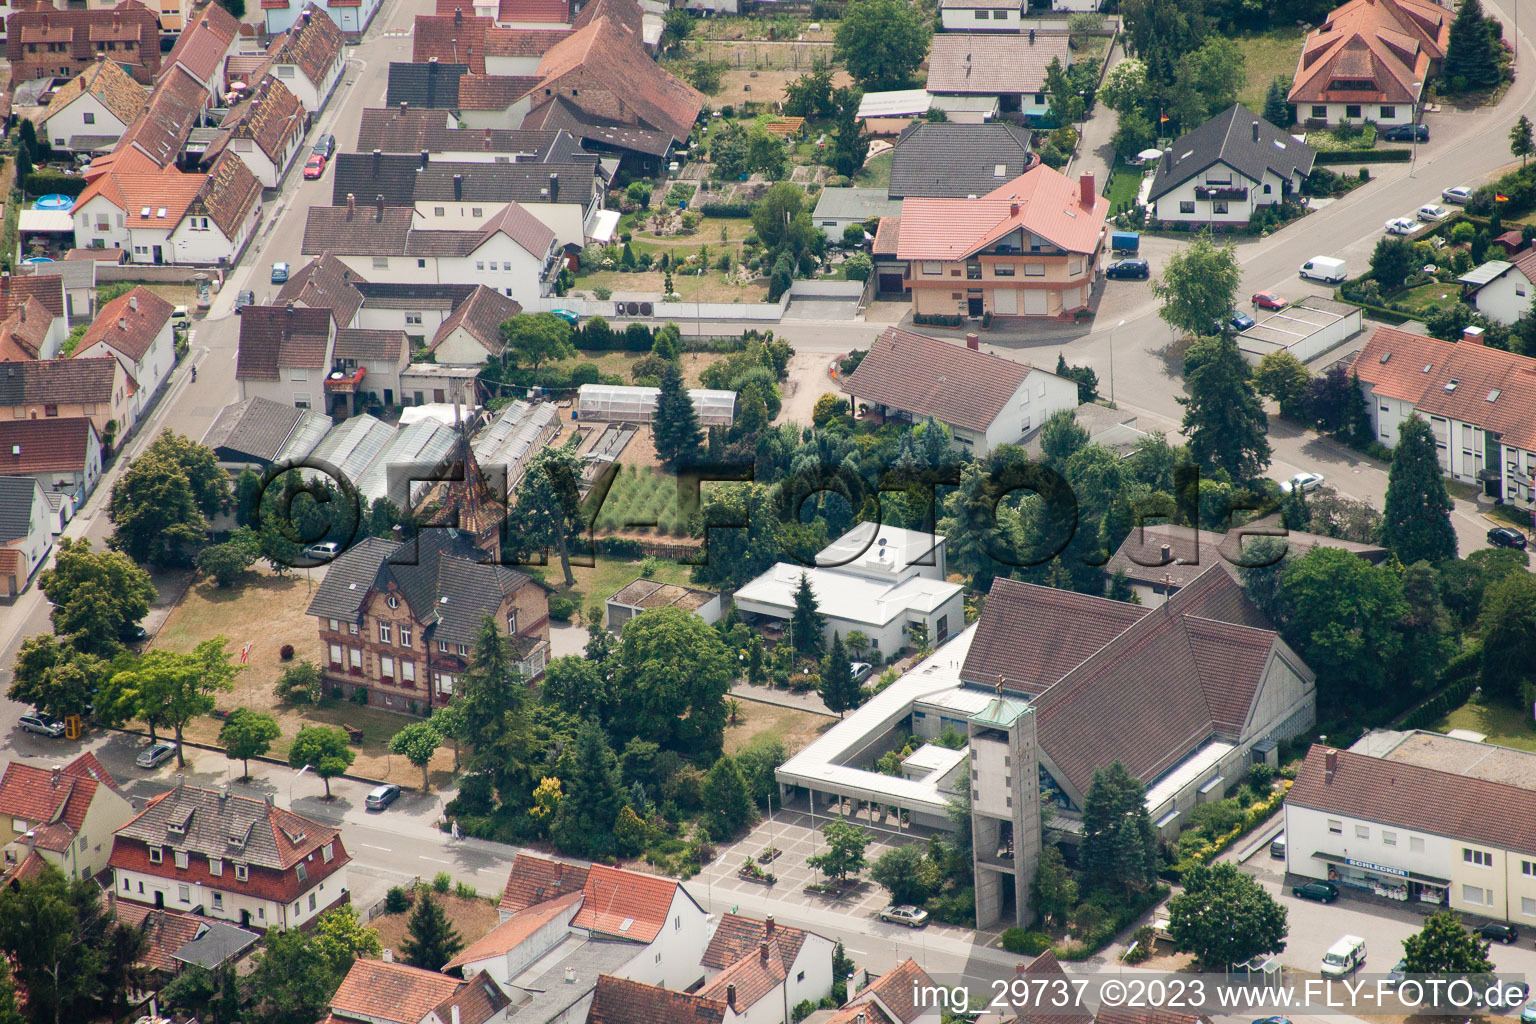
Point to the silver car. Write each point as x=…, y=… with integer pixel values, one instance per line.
x=41, y=726
x=156, y=754
x=1458, y=195
x=907, y=914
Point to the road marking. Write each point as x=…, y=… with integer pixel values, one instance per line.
x=437, y=859
x=372, y=847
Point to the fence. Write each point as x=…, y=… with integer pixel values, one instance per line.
x=760, y=55
x=377, y=909
x=147, y=272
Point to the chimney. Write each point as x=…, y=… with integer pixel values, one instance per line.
x=425, y=156
x=224, y=792
x=378, y=205
x=58, y=776
x=1166, y=551
x=1031, y=37
x=454, y=1013
x=351, y=204
x=290, y=307
x=5, y=283
x=1469, y=335
x=854, y=988
x=458, y=22
x=181, y=782
x=730, y=996
x=1331, y=763
x=1013, y=209
x=554, y=188
x=1255, y=131
x=122, y=323
x=389, y=956
x=768, y=925
x=1086, y=193
x=306, y=15
x=973, y=342
x=273, y=803
x=458, y=188
x=133, y=303
x=404, y=106
x=22, y=310
x=378, y=161
x=762, y=951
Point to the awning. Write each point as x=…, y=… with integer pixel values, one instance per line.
x=1377, y=869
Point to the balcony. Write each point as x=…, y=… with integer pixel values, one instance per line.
x=340, y=383
x=1229, y=192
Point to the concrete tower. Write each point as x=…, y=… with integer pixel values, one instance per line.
x=1005, y=809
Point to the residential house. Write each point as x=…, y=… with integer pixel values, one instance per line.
x=1369, y=61
x=222, y=218
x=414, y=130
x=26, y=535
x=265, y=130
x=310, y=56
x=63, y=454
x=542, y=14
x=374, y=358
x=97, y=388
x=1502, y=289
x=77, y=278
x=135, y=329
x=46, y=42
x=177, y=104
x=386, y=992
x=477, y=100
x=351, y=17
x=937, y=160
x=325, y=283
x=1225, y=170
x=472, y=335
x=892, y=999
x=461, y=36
x=512, y=251
x=763, y=970
x=1008, y=65
x=837, y=208
x=33, y=324
x=622, y=1001
x=984, y=400
x=93, y=110
x=417, y=309
x=882, y=582
x=229, y=857
x=176, y=940
x=66, y=815
x=258, y=433
x=1478, y=401
x=1028, y=248
x=398, y=621
x=285, y=355
x=209, y=39
x=977, y=16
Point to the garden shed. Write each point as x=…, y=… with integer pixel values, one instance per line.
x=625, y=404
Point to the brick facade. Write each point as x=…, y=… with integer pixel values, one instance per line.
x=46, y=42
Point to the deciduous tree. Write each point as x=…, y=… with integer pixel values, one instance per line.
x=1507, y=623
x=548, y=510
x=536, y=338
x=56, y=678
x=293, y=980
x=1225, y=917
x=343, y=938
x=1341, y=614
x=882, y=42
x=417, y=743
x=1521, y=142
x=325, y=749
x=1198, y=287
x=170, y=688
x=844, y=853
x=1054, y=892
x=247, y=734
x=673, y=674
x=1445, y=946
x=907, y=874
x=97, y=596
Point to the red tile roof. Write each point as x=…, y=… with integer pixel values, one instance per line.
x=166, y=930
x=481, y=315
x=1047, y=966
x=272, y=117
x=1418, y=370
x=521, y=42
x=887, y=236
x=113, y=87
x=1040, y=200
x=553, y=12
x=167, y=119
x=514, y=931
x=274, y=337
x=751, y=978
x=47, y=289
x=522, y=227
x=32, y=794
x=930, y=377
x=451, y=40
x=228, y=194
x=141, y=189
x=626, y=13
x=313, y=44
x=894, y=989
x=128, y=324
x=87, y=767
x=625, y=904
x=202, y=46
x=25, y=331
x=493, y=92
x=620, y=1001
x=1125, y=1015
x=56, y=445
x=534, y=880
x=1388, y=43
x=737, y=936
x=392, y=992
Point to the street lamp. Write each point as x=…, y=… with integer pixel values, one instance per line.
x=295, y=778
x=1414, y=128
x=1112, y=331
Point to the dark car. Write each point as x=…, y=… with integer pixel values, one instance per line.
x=1504, y=537
x=1398, y=972
x=1323, y=892
x=245, y=298
x=1496, y=931
x=1242, y=321
x=1135, y=269
x=325, y=145
x=1406, y=133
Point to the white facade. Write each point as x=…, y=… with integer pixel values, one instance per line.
x=511, y=117
x=351, y=19
x=1462, y=448
x=1506, y=298
x=150, y=370
x=77, y=484
x=1334, y=114
x=1041, y=394
x=101, y=224
x=461, y=348
x=199, y=240
x=33, y=547
x=503, y=967
x=980, y=18
x=314, y=95
x=85, y=115
x=567, y=220
x=1196, y=200
x=230, y=904
x=270, y=171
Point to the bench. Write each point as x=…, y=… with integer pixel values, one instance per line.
x=353, y=733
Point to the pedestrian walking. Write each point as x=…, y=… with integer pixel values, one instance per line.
x=456, y=835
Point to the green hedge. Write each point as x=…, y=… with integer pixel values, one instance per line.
x=936, y=319
x=1460, y=677
x=726, y=209
x=1258, y=812
x=42, y=183
x=1363, y=156
x=1132, y=909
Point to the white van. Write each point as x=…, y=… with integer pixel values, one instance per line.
x=1343, y=957
x=1325, y=268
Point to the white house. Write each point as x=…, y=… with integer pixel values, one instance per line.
x=1478, y=402
x=983, y=399
x=63, y=454
x=285, y=355
x=235, y=857
x=472, y=334
x=96, y=106
x=1226, y=169
x=352, y=17
x=26, y=534
x=136, y=330
x=202, y=47
x=1502, y=289
x=266, y=131
x=980, y=16
x=771, y=967
x=64, y=814
x=877, y=580
x=310, y=57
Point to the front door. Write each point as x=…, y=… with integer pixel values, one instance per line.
x=389, y=396
x=159, y=899
x=159, y=254
x=973, y=305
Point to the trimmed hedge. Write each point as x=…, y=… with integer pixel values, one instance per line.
x=42, y=183
x=1460, y=676
x=719, y=209
x=1363, y=156
x=936, y=319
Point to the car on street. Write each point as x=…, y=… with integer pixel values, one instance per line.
x=324, y=551
x=1458, y=195
x=380, y=797
x=1497, y=931
x=1402, y=226
x=1322, y=892
x=36, y=723
x=1268, y=300
x=1406, y=133
x=314, y=168
x=570, y=316
x=1241, y=321
x=156, y=754
x=325, y=145
x=907, y=914
x=279, y=272
x=1429, y=213
x=1134, y=269
x=1306, y=482
x=1398, y=972
x=245, y=298
x=1504, y=537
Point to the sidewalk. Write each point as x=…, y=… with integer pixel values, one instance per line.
x=783, y=698
x=1095, y=154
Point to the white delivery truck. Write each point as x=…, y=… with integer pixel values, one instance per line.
x=1343, y=957
x=1325, y=268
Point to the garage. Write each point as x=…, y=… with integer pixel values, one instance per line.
x=892, y=283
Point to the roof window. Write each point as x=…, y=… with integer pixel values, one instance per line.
x=1493, y=396
x=1452, y=384
x=1385, y=356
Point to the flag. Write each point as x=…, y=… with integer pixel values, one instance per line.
x=245, y=654
x=1501, y=199
x=1162, y=119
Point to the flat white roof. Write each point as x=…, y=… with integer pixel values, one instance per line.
x=1185, y=772
x=842, y=595
x=964, y=701
x=883, y=549
x=930, y=757
x=897, y=103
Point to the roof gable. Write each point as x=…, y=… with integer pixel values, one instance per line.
x=57, y=445
x=274, y=337
x=1041, y=201
x=1239, y=139
x=128, y=324
x=391, y=992
x=535, y=880
x=215, y=824
x=625, y=904
x=621, y=1001
x=930, y=377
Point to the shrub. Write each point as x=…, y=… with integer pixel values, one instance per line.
x=561, y=608
x=465, y=892
x=1017, y=940
x=299, y=684
x=396, y=901
x=1144, y=940
x=724, y=209
x=603, y=294
x=441, y=883
x=803, y=1009
x=285, y=652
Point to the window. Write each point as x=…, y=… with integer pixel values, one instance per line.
x=479, y=264
x=327, y=852
x=983, y=15
x=405, y=636
x=1267, y=189
x=184, y=893
x=412, y=319
x=512, y=622
x=336, y=655
x=311, y=902
x=50, y=410
x=90, y=117
x=463, y=651
x=438, y=211
x=931, y=267
x=474, y=211
x=18, y=825
x=1527, y=868
x=285, y=71
x=301, y=399
x=1034, y=270
x=444, y=682
x=800, y=977
x=216, y=866
x=218, y=901
x=1318, y=110
x=1388, y=838
x=381, y=263
x=1335, y=826
x=421, y=264
x=1187, y=206
x=127, y=885
x=1477, y=894
x=261, y=913
x=156, y=855
x=242, y=872
x=302, y=872
x=387, y=667
x=1218, y=206
x=1002, y=270
x=1388, y=113
x=1482, y=858
x=356, y=657
x=442, y=647
x=335, y=625
x=1351, y=110
x=181, y=859
x=1075, y=267
x=408, y=672
x=1519, y=289
x=82, y=844
x=384, y=633
x=392, y=601
x=297, y=373
x=1362, y=832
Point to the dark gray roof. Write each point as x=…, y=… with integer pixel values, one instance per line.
x=1229, y=138
x=254, y=429
x=412, y=130
x=431, y=84
x=215, y=944
x=402, y=180
x=392, y=295
x=17, y=494
x=349, y=579
x=939, y=160
x=241, y=828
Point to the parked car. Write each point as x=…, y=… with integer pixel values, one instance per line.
x=1325, y=268
x=180, y=315
x=279, y=272
x=912, y=917
x=325, y=145
x=1134, y=269
x=1497, y=931
x=134, y=634
x=41, y=726
x=315, y=167
x=1343, y=956
x=570, y=316
x=1277, y=847
x=1268, y=300
x=380, y=797
x=1306, y=482
x=1458, y=195
x=324, y=551
x=861, y=670
x=1429, y=213
x=245, y=298
x=1398, y=972
x=1402, y=226
x=1504, y=537
x=1406, y=133
x=1322, y=892
x=1242, y=321
x=1528, y=1013
x=156, y=754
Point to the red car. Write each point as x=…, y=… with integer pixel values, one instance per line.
x=315, y=167
x=1268, y=300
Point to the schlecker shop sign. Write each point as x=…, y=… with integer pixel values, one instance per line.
x=1380, y=869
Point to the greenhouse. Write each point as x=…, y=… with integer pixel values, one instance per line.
x=516, y=434
x=619, y=404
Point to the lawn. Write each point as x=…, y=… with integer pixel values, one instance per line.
x=1426, y=297
x=1267, y=56
x=711, y=287
x=876, y=172
x=1124, y=182
x=596, y=583
x=472, y=917
x=1503, y=724
x=759, y=723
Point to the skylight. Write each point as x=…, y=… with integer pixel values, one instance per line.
x=1428, y=367
x=1385, y=356
x=143, y=211
x=626, y=924
x=1493, y=396
x=1452, y=384
x=999, y=170
x=161, y=212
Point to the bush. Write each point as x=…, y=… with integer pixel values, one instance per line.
x=724, y=209
x=441, y=883
x=285, y=652
x=42, y=183
x=561, y=608
x=1017, y=940
x=1362, y=156
x=465, y=892
x=299, y=684
x=936, y=319
x=1144, y=940
x=803, y=1009
x=396, y=901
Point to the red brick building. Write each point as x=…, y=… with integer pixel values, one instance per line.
x=46, y=42
x=399, y=619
